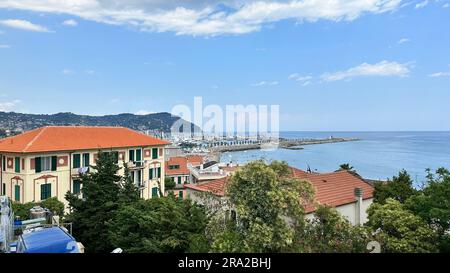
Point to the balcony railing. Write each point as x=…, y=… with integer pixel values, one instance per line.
x=136, y=164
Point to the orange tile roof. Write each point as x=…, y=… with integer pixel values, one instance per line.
x=71, y=138
x=181, y=161
x=195, y=160
x=332, y=189
x=216, y=186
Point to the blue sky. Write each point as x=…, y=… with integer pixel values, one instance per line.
x=355, y=65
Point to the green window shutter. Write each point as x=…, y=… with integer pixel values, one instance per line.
x=17, y=193
x=154, y=153
x=179, y=179
x=46, y=191
x=86, y=159
x=17, y=164
x=76, y=161
x=138, y=155
x=154, y=192
x=180, y=194
x=116, y=157
x=4, y=189
x=76, y=186
x=159, y=172
x=150, y=173
x=131, y=155
x=37, y=163
x=54, y=163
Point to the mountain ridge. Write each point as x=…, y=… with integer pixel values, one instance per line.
x=13, y=122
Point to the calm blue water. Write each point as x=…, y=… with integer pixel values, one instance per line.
x=378, y=155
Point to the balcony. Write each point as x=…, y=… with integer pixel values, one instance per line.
x=79, y=171
x=136, y=165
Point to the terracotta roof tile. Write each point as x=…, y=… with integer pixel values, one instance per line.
x=70, y=138
x=332, y=189
x=216, y=186
x=179, y=161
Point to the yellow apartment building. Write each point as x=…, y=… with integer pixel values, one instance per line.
x=47, y=162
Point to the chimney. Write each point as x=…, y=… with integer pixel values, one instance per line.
x=358, y=211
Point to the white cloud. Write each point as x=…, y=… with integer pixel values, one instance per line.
x=9, y=105
x=70, y=23
x=440, y=74
x=383, y=68
x=5, y=46
x=143, y=112
x=67, y=71
x=114, y=101
x=206, y=18
x=264, y=83
x=446, y=5
x=421, y=4
x=303, y=80
x=403, y=40
x=24, y=25
x=90, y=72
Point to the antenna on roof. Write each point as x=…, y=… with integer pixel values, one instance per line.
x=308, y=169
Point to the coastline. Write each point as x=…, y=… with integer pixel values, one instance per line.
x=284, y=143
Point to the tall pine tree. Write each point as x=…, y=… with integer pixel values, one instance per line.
x=91, y=213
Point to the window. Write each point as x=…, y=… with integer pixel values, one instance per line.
x=76, y=187
x=158, y=172
x=131, y=155
x=116, y=156
x=76, y=161
x=86, y=160
x=180, y=194
x=4, y=163
x=17, y=164
x=154, y=192
x=154, y=153
x=4, y=189
x=136, y=176
x=174, y=167
x=46, y=164
x=17, y=193
x=179, y=179
x=152, y=173
x=46, y=191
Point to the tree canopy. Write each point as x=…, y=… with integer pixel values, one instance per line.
x=399, y=188
x=100, y=200
x=167, y=224
x=268, y=201
x=330, y=232
x=398, y=230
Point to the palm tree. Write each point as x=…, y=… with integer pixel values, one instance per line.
x=346, y=167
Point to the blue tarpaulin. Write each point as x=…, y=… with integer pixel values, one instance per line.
x=48, y=240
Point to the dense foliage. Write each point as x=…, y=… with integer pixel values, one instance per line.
x=264, y=197
x=433, y=205
x=399, y=188
x=165, y=225
x=329, y=232
x=90, y=214
x=399, y=230
x=53, y=204
x=262, y=212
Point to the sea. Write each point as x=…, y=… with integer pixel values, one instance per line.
x=377, y=155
